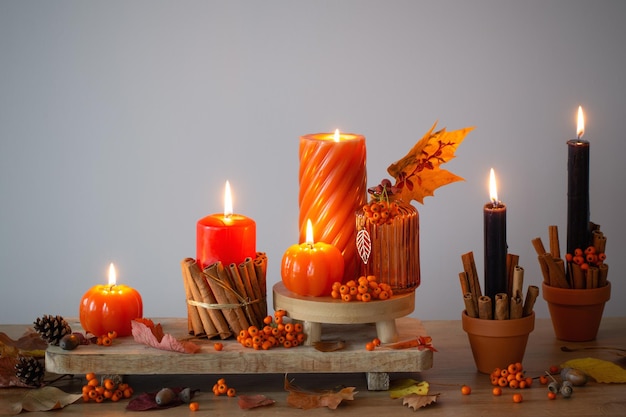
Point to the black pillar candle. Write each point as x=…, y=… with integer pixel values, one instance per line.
x=494, y=216
x=578, y=190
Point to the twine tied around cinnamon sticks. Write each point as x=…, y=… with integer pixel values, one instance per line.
x=222, y=301
x=575, y=272
x=507, y=305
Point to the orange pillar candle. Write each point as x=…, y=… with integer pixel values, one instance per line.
x=228, y=238
x=332, y=188
x=108, y=308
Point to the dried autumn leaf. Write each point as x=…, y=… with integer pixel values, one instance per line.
x=29, y=344
x=418, y=174
x=598, y=369
x=404, y=387
x=329, y=345
x=253, y=401
x=8, y=378
x=47, y=398
x=306, y=400
x=146, y=335
x=416, y=401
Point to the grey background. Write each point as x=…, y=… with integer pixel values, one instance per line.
x=120, y=121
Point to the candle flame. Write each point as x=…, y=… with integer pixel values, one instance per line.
x=580, y=130
x=112, y=275
x=228, y=201
x=337, y=136
x=493, y=189
x=309, y=232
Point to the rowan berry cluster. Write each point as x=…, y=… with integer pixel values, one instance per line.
x=381, y=212
x=275, y=333
x=108, y=390
x=221, y=388
x=106, y=339
x=364, y=289
x=588, y=257
x=512, y=376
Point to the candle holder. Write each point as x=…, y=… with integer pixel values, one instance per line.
x=576, y=288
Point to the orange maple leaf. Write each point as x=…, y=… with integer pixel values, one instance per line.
x=418, y=174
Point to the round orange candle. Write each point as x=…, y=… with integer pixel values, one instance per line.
x=310, y=269
x=332, y=188
x=107, y=308
x=228, y=238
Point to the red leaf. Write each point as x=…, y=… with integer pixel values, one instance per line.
x=252, y=401
x=149, y=336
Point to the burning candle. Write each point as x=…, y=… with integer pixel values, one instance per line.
x=332, y=188
x=311, y=268
x=108, y=308
x=578, y=189
x=228, y=238
x=494, y=214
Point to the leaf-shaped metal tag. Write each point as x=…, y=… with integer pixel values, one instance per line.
x=363, y=245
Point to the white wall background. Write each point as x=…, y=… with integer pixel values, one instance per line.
x=120, y=122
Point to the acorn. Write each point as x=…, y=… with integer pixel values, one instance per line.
x=566, y=389
x=165, y=396
x=576, y=377
x=185, y=395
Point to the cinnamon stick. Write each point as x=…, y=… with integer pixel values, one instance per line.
x=538, y=245
x=516, y=309
x=254, y=307
x=485, y=309
x=220, y=289
x=232, y=299
x=511, y=262
x=470, y=305
x=502, y=306
x=592, y=277
x=198, y=288
x=194, y=322
x=603, y=271
x=556, y=274
x=465, y=288
x=531, y=296
x=518, y=281
x=599, y=241
x=545, y=271
x=469, y=266
x=553, y=232
x=241, y=289
x=257, y=285
x=578, y=276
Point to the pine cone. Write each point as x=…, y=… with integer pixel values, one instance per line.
x=30, y=371
x=52, y=328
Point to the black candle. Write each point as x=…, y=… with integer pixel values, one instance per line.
x=494, y=215
x=578, y=190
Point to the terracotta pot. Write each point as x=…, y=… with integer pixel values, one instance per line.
x=497, y=343
x=576, y=314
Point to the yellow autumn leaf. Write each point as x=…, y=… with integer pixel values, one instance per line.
x=598, y=369
x=418, y=173
x=404, y=387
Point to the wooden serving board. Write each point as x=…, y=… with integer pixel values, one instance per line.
x=126, y=357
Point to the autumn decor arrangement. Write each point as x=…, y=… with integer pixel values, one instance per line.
x=388, y=225
x=497, y=328
x=576, y=288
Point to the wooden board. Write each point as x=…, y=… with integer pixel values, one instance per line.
x=331, y=310
x=126, y=357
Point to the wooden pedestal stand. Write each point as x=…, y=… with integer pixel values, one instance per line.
x=316, y=311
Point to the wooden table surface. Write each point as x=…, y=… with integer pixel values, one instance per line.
x=453, y=366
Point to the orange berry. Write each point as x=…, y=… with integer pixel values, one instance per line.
x=335, y=294
x=354, y=290
x=514, y=383
x=522, y=384
x=551, y=395
x=497, y=391
x=287, y=344
x=366, y=297
x=194, y=406
x=346, y=297
x=370, y=346
x=494, y=380
x=289, y=327
x=496, y=372
x=503, y=382
x=253, y=331
x=85, y=396
x=554, y=369
x=376, y=341
x=231, y=392
x=504, y=373
x=128, y=392
x=529, y=381
x=383, y=295
x=298, y=327
x=267, y=320
x=218, y=346
x=109, y=384
x=112, y=334
x=466, y=390
x=90, y=376
x=543, y=380
x=92, y=394
x=107, y=393
x=99, y=398
x=517, y=398
x=93, y=382
x=344, y=289
x=106, y=341
x=222, y=388
x=512, y=369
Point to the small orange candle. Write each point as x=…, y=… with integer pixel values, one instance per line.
x=228, y=237
x=332, y=188
x=310, y=268
x=107, y=308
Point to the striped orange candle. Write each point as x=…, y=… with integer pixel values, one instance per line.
x=332, y=188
